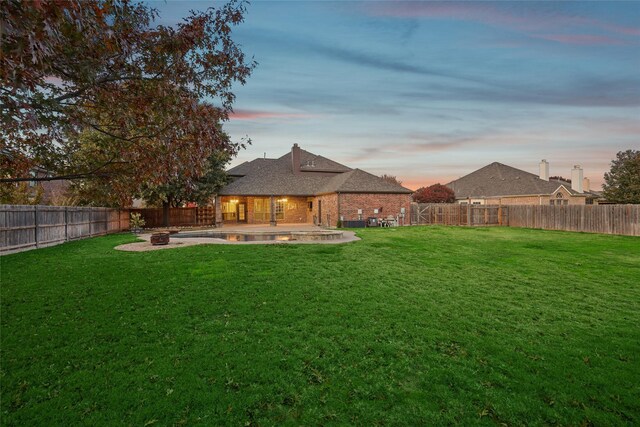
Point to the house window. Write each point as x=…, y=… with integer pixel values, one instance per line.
x=229, y=210
x=262, y=209
x=477, y=203
x=310, y=206
x=280, y=206
x=559, y=201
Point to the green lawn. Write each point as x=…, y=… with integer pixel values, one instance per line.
x=424, y=325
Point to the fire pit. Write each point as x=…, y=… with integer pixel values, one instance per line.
x=161, y=238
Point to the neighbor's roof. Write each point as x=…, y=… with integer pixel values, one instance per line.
x=498, y=179
x=319, y=175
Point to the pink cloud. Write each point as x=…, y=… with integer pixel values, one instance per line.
x=258, y=115
x=506, y=15
x=473, y=11
x=630, y=31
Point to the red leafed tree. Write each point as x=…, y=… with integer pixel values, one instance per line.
x=436, y=193
x=153, y=95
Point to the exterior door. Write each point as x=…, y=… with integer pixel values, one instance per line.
x=242, y=212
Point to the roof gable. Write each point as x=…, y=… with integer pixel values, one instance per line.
x=497, y=179
x=310, y=162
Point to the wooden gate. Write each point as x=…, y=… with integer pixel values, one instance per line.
x=457, y=214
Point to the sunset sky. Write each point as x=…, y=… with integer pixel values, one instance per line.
x=431, y=91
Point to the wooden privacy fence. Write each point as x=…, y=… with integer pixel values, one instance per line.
x=605, y=219
x=178, y=217
x=455, y=214
x=29, y=227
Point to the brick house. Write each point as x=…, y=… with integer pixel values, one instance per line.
x=304, y=188
x=499, y=184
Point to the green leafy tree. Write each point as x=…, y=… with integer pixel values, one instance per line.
x=118, y=183
x=114, y=184
x=20, y=193
x=183, y=188
x=622, y=182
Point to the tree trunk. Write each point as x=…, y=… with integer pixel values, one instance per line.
x=165, y=213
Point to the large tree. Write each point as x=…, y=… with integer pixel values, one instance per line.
x=622, y=182
x=149, y=96
x=183, y=189
x=436, y=193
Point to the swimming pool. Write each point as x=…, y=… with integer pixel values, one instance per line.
x=285, y=236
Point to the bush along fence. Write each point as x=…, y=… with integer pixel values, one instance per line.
x=605, y=219
x=29, y=227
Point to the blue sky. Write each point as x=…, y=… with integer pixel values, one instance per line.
x=430, y=91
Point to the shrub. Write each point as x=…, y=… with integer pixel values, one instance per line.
x=136, y=222
x=436, y=193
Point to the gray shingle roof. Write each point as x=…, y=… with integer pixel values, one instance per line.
x=359, y=181
x=311, y=162
x=319, y=175
x=498, y=179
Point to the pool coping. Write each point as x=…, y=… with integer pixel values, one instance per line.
x=348, y=236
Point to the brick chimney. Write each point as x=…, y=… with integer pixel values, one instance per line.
x=544, y=170
x=576, y=178
x=586, y=184
x=295, y=159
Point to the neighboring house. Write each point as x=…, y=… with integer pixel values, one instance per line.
x=301, y=187
x=499, y=184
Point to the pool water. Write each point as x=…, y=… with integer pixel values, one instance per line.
x=262, y=237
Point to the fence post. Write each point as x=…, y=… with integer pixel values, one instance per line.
x=66, y=225
x=5, y=227
x=469, y=214
x=90, y=222
x=35, y=224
